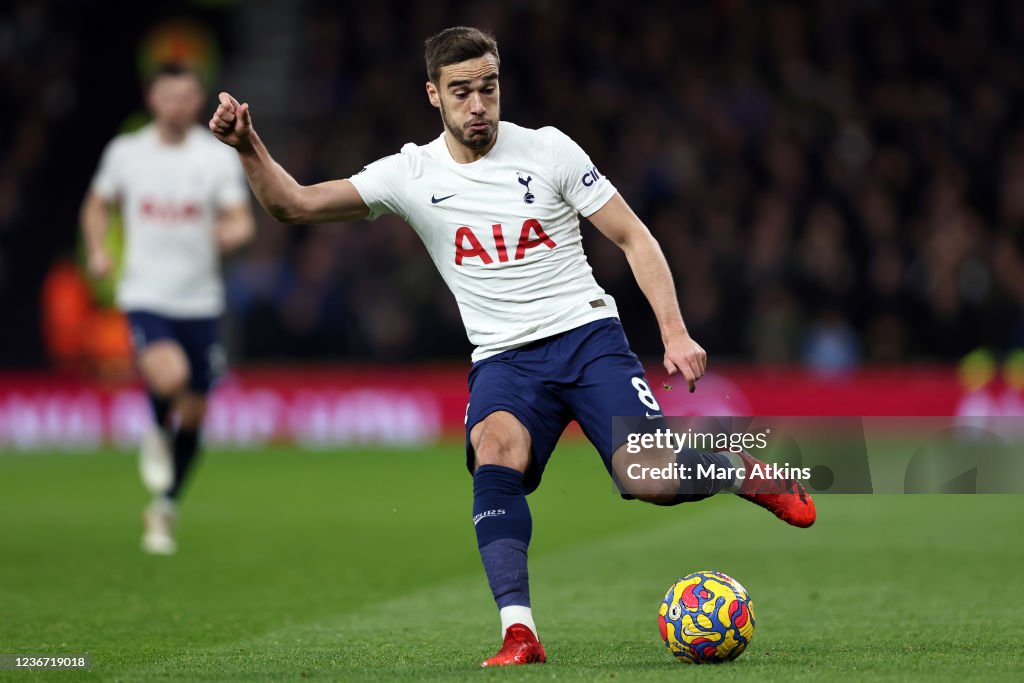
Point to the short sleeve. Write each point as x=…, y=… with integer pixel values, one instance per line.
x=580, y=183
x=232, y=187
x=381, y=185
x=106, y=183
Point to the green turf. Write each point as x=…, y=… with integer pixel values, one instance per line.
x=362, y=565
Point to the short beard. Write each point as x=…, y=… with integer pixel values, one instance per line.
x=475, y=143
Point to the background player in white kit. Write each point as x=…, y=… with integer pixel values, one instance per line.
x=496, y=206
x=183, y=202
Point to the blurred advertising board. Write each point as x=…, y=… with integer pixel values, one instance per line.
x=329, y=407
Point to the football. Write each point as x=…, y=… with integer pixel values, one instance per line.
x=706, y=617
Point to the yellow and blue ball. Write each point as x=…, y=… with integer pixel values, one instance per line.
x=706, y=617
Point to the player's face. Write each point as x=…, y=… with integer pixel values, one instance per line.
x=175, y=101
x=469, y=101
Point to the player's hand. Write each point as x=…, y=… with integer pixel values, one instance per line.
x=232, y=122
x=100, y=264
x=684, y=355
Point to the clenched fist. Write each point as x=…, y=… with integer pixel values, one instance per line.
x=232, y=123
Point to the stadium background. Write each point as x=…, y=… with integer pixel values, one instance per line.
x=838, y=186
x=839, y=189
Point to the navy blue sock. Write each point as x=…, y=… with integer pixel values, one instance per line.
x=503, y=525
x=186, y=445
x=698, y=488
x=161, y=410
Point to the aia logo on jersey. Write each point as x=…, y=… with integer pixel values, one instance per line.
x=468, y=245
x=528, y=197
x=168, y=211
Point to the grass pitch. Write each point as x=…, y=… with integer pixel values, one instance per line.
x=362, y=565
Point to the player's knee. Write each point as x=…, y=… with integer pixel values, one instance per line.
x=498, y=450
x=656, y=491
x=165, y=369
x=641, y=475
x=168, y=383
x=502, y=440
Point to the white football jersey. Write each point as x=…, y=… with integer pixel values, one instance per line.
x=503, y=230
x=170, y=196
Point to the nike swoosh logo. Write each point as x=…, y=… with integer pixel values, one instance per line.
x=438, y=200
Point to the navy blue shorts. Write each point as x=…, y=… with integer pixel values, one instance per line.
x=588, y=374
x=199, y=338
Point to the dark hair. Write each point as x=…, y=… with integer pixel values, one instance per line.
x=173, y=70
x=457, y=44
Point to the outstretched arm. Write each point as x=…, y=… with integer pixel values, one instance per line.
x=278, y=192
x=619, y=224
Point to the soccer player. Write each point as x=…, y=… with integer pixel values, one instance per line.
x=183, y=202
x=496, y=206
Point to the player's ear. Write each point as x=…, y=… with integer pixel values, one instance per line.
x=433, y=96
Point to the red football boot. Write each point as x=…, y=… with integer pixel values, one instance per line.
x=785, y=498
x=520, y=647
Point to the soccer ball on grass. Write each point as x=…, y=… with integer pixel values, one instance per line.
x=706, y=617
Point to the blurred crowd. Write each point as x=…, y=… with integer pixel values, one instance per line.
x=36, y=95
x=833, y=183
